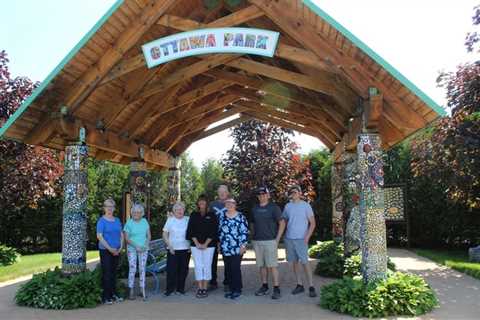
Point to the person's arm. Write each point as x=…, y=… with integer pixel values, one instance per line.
x=149, y=238
x=165, y=236
x=281, y=230
x=122, y=240
x=311, y=228
x=243, y=236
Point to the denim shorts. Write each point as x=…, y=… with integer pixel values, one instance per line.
x=297, y=250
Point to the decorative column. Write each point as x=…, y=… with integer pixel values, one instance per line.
x=75, y=191
x=372, y=207
x=138, y=183
x=351, y=214
x=174, y=175
x=337, y=202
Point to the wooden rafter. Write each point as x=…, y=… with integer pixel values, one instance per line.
x=297, y=119
x=357, y=74
x=162, y=127
x=223, y=126
x=283, y=91
x=84, y=86
x=317, y=116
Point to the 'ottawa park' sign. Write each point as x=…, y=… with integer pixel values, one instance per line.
x=214, y=40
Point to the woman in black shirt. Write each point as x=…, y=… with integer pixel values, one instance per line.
x=202, y=230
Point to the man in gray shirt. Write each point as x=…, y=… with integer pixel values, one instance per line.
x=300, y=226
x=267, y=229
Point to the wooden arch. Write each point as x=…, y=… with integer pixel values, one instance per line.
x=322, y=81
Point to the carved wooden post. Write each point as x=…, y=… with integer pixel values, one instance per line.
x=351, y=215
x=174, y=176
x=372, y=207
x=75, y=191
x=337, y=202
x=138, y=183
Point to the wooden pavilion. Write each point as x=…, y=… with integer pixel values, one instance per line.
x=322, y=81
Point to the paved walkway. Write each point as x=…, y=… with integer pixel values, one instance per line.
x=459, y=295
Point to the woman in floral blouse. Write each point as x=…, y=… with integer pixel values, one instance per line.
x=233, y=236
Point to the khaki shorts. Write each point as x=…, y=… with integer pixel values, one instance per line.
x=266, y=253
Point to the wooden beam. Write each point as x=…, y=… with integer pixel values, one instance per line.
x=162, y=127
x=289, y=125
x=110, y=141
x=284, y=91
x=300, y=120
x=223, y=126
x=373, y=109
x=84, y=86
x=215, y=117
x=320, y=118
x=183, y=74
x=357, y=74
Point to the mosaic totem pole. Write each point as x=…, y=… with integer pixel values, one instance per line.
x=174, y=182
x=372, y=206
x=350, y=195
x=337, y=202
x=75, y=191
x=138, y=183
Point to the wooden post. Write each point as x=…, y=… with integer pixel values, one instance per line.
x=337, y=202
x=351, y=216
x=75, y=192
x=174, y=185
x=372, y=207
x=138, y=184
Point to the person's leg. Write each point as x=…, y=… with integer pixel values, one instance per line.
x=105, y=264
x=171, y=273
x=113, y=279
x=213, y=281
x=227, y=261
x=198, y=265
x=296, y=271
x=226, y=271
x=142, y=263
x=308, y=273
x=275, y=277
x=236, y=274
x=132, y=267
x=207, y=263
x=303, y=257
x=183, y=259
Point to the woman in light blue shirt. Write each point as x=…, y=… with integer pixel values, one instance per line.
x=137, y=236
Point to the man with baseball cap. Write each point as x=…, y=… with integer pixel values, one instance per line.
x=300, y=226
x=267, y=229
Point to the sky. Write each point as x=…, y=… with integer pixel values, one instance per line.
x=419, y=38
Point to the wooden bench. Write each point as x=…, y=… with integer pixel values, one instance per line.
x=157, y=261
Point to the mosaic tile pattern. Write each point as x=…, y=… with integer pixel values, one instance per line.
x=372, y=207
x=75, y=192
x=394, y=204
x=138, y=183
x=337, y=202
x=352, y=234
x=350, y=194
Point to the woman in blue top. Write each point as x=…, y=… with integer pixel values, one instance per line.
x=233, y=236
x=137, y=237
x=110, y=243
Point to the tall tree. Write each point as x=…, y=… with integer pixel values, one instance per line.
x=450, y=155
x=28, y=174
x=264, y=155
x=212, y=176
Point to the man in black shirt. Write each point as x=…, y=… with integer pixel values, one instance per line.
x=268, y=228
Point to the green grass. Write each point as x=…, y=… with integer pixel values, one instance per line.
x=35, y=263
x=457, y=260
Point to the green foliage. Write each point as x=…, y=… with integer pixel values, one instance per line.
x=321, y=168
x=191, y=183
x=54, y=290
x=8, y=255
x=264, y=155
x=399, y=294
x=212, y=177
x=457, y=260
x=332, y=262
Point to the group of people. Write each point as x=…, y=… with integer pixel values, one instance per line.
x=213, y=229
